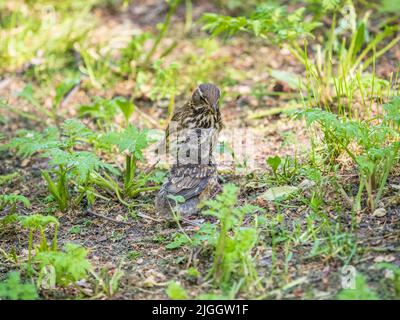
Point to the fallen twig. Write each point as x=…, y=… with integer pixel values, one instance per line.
x=145, y=216
x=90, y=211
x=192, y=223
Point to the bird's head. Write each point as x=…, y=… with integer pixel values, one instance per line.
x=207, y=95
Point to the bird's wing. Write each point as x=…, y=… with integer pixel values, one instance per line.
x=176, y=120
x=174, y=126
x=188, y=181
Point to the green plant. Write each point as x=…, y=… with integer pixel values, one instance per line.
x=135, y=58
x=396, y=275
x=269, y=22
x=132, y=142
x=336, y=77
x=133, y=54
x=13, y=288
x=77, y=229
x=27, y=143
x=274, y=163
x=284, y=170
x=337, y=69
x=27, y=93
x=360, y=292
x=377, y=147
x=67, y=266
x=133, y=255
x=102, y=111
x=232, y=261
x=78, y=166
x=12, y=200
x=54, y=267
x=42, y=35
x=97, y=64
x=67, y=165
x=207, y=234
x=38, y=222
x=176, y=292
x=165, y=85
x=230, y=241
x=62, y=90
x=108, y=284
x=35, y=222
x=193, y=273
x=126, y=107
x=4, y=179
x=173, y=5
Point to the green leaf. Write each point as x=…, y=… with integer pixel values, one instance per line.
x=177, y=199
x=76, y=130
x=256, y=27
x=13, y=289
x=360, y=36
x=35, y=221
x=126, y=107
x=10, y=199
x=102, y=109
x=70, y=266
x=193, y=272
x=176, y=292
x=8, y=178
x=269, y=21
x=130, y=139
x=179, y=241
x=64, y=88
x=390, y=6
x=330, y=5
x=360, y=292
x=29, y=142
x=274, y=162
x=27, y=93
x=78, y=164
x=10, y=219
x=277, y=193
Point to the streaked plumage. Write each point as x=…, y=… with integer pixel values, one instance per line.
x=191, y=138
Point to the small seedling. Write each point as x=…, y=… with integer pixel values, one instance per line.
x=360, y=292
x=38, y=222
x=274, y=163
x=75, y=230
x=133, y=255
x=13, y=288
x=176, y=292
x=396, y=276
x=12, y=200
x=68, y=266
x=233, y=262
x=67, y=165
x=107, y=282
x=132, y=142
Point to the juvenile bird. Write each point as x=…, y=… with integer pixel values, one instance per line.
x=191, y=137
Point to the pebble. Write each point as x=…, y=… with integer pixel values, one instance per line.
x=380, y=212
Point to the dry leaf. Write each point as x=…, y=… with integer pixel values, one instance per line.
x=380, y=212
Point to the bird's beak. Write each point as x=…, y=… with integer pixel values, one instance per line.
x=215, y=106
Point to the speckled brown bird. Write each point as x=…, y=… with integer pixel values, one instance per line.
x=191, y=138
